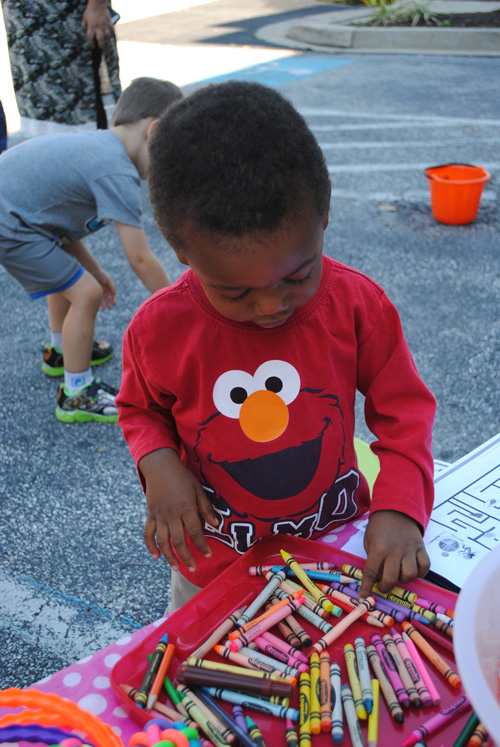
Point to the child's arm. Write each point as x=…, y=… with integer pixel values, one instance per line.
x=175, y=501
x=395, y=551
x=79, y=251
x=141, y=259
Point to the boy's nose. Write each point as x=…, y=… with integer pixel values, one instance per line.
x=270, y=301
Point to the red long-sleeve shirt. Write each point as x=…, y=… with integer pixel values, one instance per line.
x=264, y=418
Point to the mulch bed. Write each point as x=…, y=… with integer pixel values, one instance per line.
x=459, y=20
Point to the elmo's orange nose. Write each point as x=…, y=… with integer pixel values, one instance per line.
x=263, y=416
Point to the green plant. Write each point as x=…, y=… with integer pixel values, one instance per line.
x=413, y=11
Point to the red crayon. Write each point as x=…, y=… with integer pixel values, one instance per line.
x=433, y=656
x=429, y=632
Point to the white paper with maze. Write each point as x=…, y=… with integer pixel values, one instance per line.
x=465, y=521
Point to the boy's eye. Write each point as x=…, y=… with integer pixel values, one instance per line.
x=234, y=298
x=291, y=281
x=298, y=281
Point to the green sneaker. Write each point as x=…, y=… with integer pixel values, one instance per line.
x=94, y=402
x=53, y=364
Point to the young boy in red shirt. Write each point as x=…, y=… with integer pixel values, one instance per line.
x=239, y=381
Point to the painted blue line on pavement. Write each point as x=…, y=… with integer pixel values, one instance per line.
x=81, y=603
x=278, y=72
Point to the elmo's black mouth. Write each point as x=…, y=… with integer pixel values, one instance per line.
x=281, y=475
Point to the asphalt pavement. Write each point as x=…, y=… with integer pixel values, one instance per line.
x=74, y=573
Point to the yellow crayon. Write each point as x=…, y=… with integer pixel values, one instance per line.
x=397, y=591
x=306, y=581
x=352, y=671
x=205, y=723
x=315, y=714
x=305, y=710
x=373, y=717
x=218, y=666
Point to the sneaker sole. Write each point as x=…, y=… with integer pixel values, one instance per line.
x=59, y=370
x=80, y=416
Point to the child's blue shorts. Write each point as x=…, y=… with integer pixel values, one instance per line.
x=39, y=264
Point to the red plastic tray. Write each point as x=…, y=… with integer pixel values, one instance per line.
x=192, y=624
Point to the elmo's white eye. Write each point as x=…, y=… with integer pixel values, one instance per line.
x=279, y=377
x=230, y=391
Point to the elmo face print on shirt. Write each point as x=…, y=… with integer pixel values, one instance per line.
x=272, y=452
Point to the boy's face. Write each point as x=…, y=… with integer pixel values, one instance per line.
x=260, y=279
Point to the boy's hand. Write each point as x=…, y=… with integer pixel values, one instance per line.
x=175, y=501
x=108, y=289
x=395, y=551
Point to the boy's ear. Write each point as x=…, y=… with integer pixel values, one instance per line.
x=150, y=127
x=181, y=257
x=326, y=217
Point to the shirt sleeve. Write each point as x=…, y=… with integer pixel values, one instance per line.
x=144, y=414
x=118, y=197
x=399, y=411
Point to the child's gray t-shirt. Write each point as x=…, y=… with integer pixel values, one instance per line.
x=65, y=186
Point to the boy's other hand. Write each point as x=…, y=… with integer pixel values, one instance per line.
x=395, y=551
x=108, y=289
x=175, y=501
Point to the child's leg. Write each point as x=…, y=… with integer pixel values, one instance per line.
x=76, y=309
x=182, y=591
x=58, y=308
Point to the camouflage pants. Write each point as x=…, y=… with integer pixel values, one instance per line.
x=51, y=61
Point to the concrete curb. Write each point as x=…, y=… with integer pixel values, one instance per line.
x=335, y=34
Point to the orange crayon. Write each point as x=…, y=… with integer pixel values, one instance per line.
x=478, y=736
x=160, y=676
x=343, y=624
x=271, y=611
x=325, y=691
x=435, y=659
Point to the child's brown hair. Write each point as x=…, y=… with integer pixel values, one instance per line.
x=143, y=98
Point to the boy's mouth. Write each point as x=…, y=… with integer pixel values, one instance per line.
x=274, y=322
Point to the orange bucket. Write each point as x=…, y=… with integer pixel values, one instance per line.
x=456, y=191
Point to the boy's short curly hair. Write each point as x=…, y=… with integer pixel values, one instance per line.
x=234, y=158
x=143, y=98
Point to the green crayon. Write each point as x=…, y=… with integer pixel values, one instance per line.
x=254, y=732
x=143, y=692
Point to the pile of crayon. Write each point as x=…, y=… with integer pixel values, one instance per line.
x=246, y=666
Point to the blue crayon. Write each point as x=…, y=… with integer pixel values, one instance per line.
x=251, y=701
x=241, y=735
x=318, y=575
x=261, y=598
x=351, y=717
x=412, y=615
x=364, y=673
x=337, y=720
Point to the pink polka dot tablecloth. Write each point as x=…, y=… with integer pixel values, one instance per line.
x=87, y=682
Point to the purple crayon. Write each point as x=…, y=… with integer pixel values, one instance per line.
x=391, y=670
